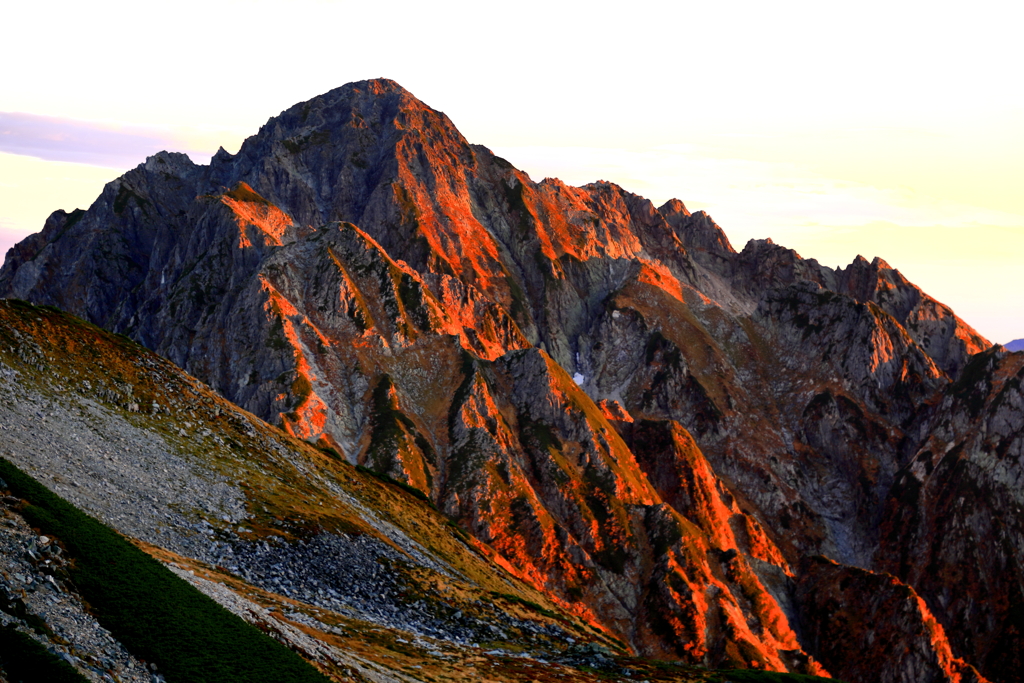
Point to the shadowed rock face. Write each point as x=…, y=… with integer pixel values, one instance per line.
x=953, y=524
x=871, y=626
x=362, y=276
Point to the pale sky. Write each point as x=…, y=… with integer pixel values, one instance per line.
x=877, y=128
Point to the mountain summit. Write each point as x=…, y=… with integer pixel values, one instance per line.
x=721, y=457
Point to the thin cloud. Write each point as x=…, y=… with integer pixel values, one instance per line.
x=89, y=142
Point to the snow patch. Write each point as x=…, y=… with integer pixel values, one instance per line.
x=579, y=379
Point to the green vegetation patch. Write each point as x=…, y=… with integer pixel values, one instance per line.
x=157, y=616
x=22, y=658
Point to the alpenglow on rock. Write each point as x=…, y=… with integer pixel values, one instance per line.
x=651, y=427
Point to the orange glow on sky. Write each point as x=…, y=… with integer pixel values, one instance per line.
x=876, y=128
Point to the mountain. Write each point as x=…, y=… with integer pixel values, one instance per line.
x=359, y=575
x=654, y=431
x=1015, y=345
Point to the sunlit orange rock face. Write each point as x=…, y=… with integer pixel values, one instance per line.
x=540, y=474
x=631, y=415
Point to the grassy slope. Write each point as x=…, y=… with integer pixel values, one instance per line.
x=157, y=616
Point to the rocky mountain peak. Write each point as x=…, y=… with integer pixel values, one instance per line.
x=946, y=338
x=673, y=207
x=624, y=413
x=697, y=231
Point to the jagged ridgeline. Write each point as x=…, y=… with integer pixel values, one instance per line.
x=651, y=430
